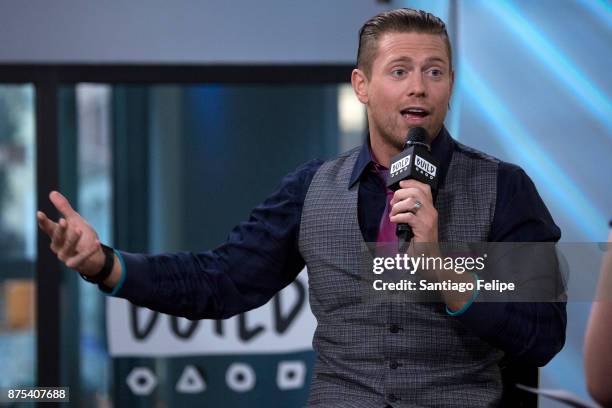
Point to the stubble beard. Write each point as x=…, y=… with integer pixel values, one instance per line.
x=396, y=141
x=390, y=135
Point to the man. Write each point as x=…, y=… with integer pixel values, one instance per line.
x=368, y=355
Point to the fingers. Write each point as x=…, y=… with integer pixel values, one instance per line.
x=403, y=206
x=425, y=188
x=412, y=192
x=61, y=203
x=67, y=234
x=424, y=226
x=45, y=223
x=407, y=218
x=76, y=261
x=423, y=220
x=65, y=239
x=57, y=239
x=72, y=237
x=424, y=223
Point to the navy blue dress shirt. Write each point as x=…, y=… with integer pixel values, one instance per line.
x=261, y=257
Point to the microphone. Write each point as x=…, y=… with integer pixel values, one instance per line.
x=414, y=162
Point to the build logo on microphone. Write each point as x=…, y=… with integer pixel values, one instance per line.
x=424, y=167
x=400, y=165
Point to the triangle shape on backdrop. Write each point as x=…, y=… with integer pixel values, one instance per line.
x=190, y=381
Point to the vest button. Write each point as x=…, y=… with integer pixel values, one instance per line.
x=392, y=398
x=393, y=365
x=394, y=328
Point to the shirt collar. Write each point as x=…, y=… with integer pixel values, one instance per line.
x=441, y=148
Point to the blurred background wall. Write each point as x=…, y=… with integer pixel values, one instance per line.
x=532, y=88
x=184, y=31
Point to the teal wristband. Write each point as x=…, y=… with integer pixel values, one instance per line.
x=121, y=279
x=469, y=302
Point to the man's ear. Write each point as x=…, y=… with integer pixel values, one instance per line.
x=359, y=80
x=451, y=85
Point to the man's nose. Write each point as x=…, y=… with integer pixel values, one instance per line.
x=416, y=85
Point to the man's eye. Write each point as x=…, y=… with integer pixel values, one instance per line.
x=435, y=72
x=398, y=72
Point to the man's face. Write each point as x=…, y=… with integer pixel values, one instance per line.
x=409, y=86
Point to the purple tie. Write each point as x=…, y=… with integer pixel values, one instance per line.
x=386, y=229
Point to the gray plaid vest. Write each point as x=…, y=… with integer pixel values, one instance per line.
x=404, y=355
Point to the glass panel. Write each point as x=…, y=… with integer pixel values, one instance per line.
x=85, y=178
x=17, y=172
x=17, y=328
x=17, y=236
x=242, y=139
x=94, y=188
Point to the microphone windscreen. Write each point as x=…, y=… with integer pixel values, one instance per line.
x=417, y=135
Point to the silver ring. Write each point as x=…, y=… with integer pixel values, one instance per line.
x=416, y=206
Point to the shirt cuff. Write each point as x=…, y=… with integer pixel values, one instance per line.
x=135, y=283
x=469, y=302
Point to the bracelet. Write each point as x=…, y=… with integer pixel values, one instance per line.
x=109, y=263
x=469, y=302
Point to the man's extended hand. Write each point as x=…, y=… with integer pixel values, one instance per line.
x=73, y=240
x=424, y=221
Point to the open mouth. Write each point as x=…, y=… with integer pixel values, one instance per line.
x=414, y=112
x=415, y=116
